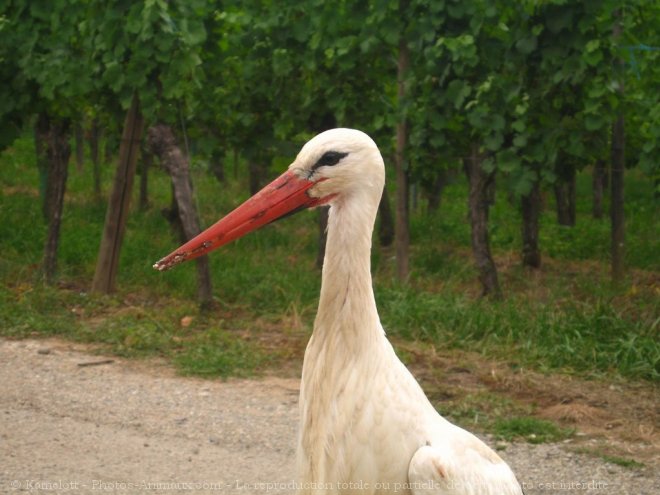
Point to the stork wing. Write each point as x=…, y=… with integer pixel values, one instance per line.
x=442, y=470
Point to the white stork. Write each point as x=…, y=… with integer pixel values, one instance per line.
x=365, y=424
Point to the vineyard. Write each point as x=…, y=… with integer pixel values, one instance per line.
x=520, y=217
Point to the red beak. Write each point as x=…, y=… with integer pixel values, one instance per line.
x=286, y=194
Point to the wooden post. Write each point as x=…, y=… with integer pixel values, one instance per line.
x=145, y=166
x=120, y=199
x=598, y=183
x=58, y=152
x=564, y=189
x=531, y=210
x=162, y=143
x=482, y=185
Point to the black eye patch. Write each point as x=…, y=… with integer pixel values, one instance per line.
x=329, y=159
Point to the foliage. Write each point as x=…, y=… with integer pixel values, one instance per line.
x=458, y=99
x=532, y=82
x=152, y=48
x=567, y=317
x=40, y=52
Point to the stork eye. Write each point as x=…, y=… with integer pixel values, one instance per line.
x=329, y=159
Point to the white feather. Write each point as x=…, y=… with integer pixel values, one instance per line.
x=365, y=424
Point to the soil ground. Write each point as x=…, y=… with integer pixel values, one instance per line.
x=75, y=421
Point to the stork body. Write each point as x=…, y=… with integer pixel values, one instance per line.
x=366, y=426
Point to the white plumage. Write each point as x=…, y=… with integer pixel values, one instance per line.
x=364, y=420
x=365, y=424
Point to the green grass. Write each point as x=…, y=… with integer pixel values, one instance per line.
x=568, y=317
x=219, y=354
x=533, y=430
x=131, y=329
x=623, y=462
x=481, y=409
x=612, y=459
x=507, y=419
x=580, y=336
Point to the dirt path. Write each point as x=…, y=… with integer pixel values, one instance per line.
x=130, y=427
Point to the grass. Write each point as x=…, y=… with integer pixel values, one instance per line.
x=566, y=317
x=581, y=336
x=531, y=429
x=622, y=461
x=480, y=409
x=219, y=354
x=131, y=328
x=506, y=418
x=612, y=459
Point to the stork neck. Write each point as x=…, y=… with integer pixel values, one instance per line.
x=347, y=307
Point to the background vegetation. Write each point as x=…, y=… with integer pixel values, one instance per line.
x=534, y=100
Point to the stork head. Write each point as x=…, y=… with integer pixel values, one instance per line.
x=331, y=167
x=340, y=163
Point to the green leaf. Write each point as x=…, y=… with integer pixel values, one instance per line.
x=438, y=121
x=196, y=33
x=592, y=45
x=519, y=125
x=438, y=140
x=457, y=91
x=593, y=57
x=493, y=142
x=507, y=161
x=456, y=10
x=593, y=122
x=526, y=45
x=522, y=186
x=488, y=165
x=497, y=122
x=520, y=141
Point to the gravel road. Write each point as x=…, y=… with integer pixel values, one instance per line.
x=128, y=426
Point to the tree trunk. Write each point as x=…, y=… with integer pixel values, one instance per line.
x=565, y=194
x=58, y=152
x=107, y=264
x=599, y=181
x=217, y=165
x=256, y=171
x=617, y=174
x=434, y=190
x=145, y=165
x=161, y=142
x=531, y=209
x=402, y=233
x=94, y=137
x=386, y=226
x=323, y=235
x=482, y=186
x=172, y=216
x=80, y=146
